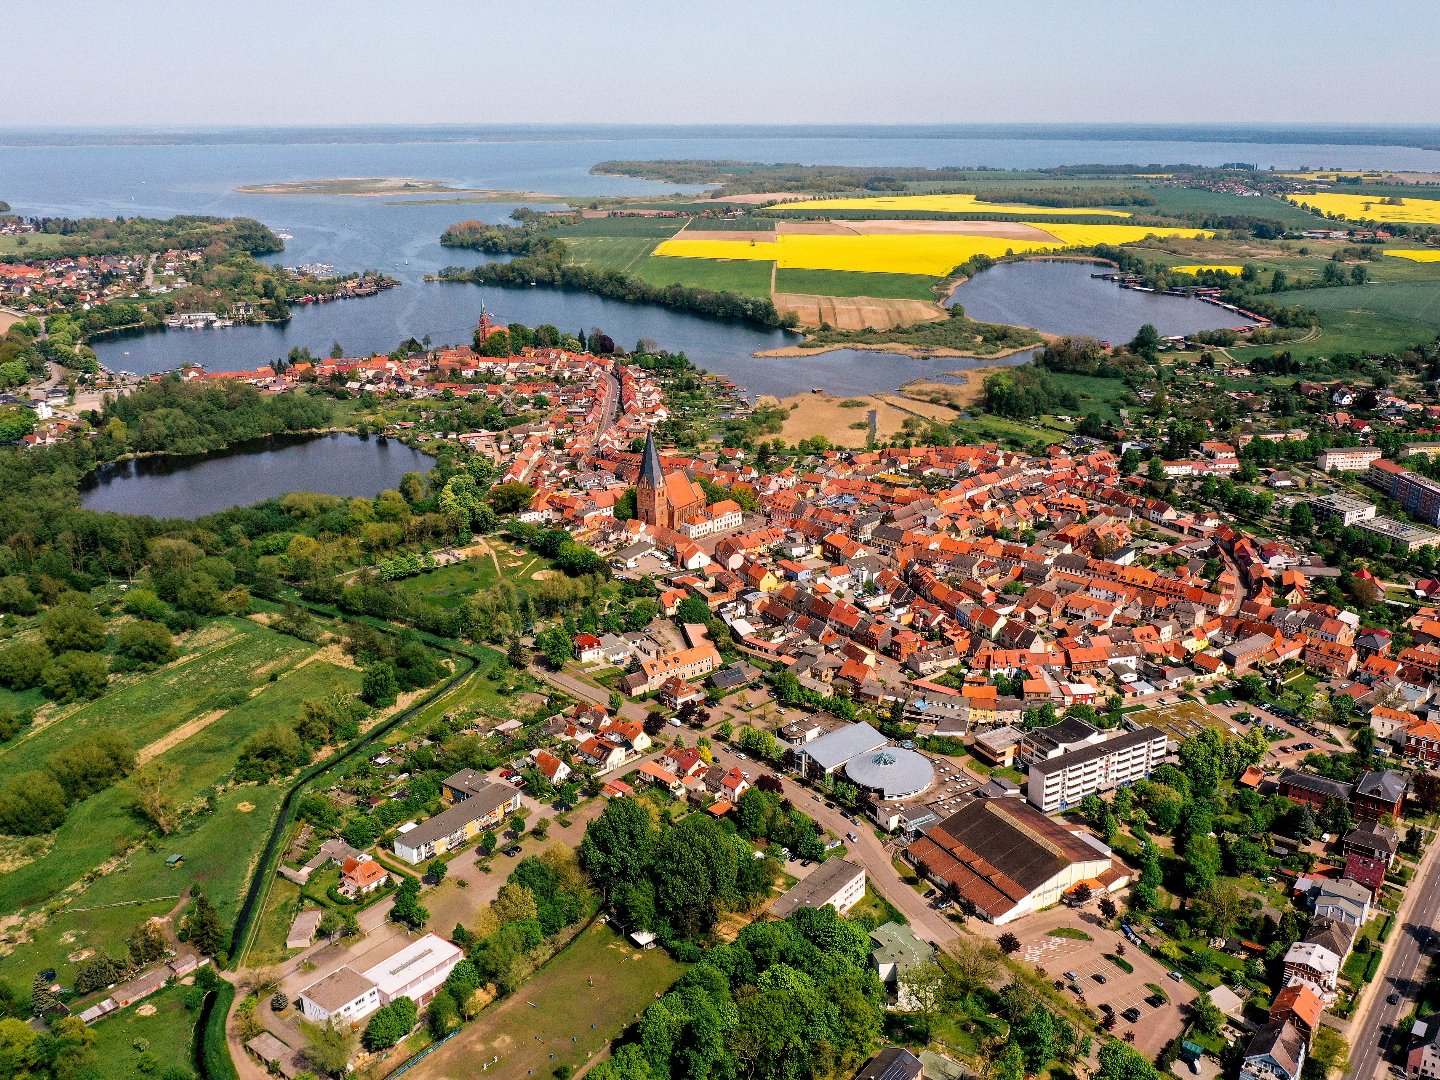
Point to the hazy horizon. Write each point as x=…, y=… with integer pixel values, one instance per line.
x=778, y=63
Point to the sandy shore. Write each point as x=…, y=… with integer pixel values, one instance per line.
x=375, y=187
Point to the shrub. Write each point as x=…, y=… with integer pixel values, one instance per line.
x=389, y=1024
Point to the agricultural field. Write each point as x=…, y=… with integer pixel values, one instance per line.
x=1215, y=268
x=946, y=204
x=850, y=283
x=624, y=253
x=723, y=274
x=1376, y=318
x=1420, y=255
x=27, y=244
x=926, y=254
x=1399, y=210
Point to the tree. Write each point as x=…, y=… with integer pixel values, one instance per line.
x=143, y=645
x=75, y=676
x=147, y=944
x=379, y=686
x=1008, y=943
x=22, y=664
x=407, y=909
x=155, y=795
x=510, y=498
x=328, y=1047
x=922, y=988
x=1120, y=1062
x=435, y=871
x=1108, y=909
x=972, y=962
x=389, y=1024
x=619, y=845
x=203, y=926
x=1208, y=1015
x=1146, y=342
x=32, y=803
x=71, y=628
x=1329, y=1050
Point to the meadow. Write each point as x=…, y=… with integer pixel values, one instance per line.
x=623, y=253
x=1405, y=210
x=166, y=1031
x=851, y=283
x=28, y=244
x=107, y=883
x=946, y=204
x=722, y=274
x=927, y=254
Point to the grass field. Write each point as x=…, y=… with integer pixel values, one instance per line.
x=224, y=656
x=218, y=843
x=33, y=244
x=1374, y=318
x=847, y=283
x=450, y=586
x=947, y=204
x=571, y=1009
x=166, y=1031
x=623, y=253
x=724, y=274
x=1096, y=394
x=1180, y=200
x=658, y=228
x=1409, y=210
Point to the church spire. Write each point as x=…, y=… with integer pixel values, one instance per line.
x=650, y=471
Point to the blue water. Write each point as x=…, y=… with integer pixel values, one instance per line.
x=150, y=173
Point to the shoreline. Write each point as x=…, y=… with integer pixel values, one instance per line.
x=916, y=352
x=373, y=187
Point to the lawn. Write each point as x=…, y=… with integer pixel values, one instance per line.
x=226, y=655
x=849, y=283
x=450, y=586
x=624, y=253
x=268, y=944
x=571, y=1009
x=750, y=278
x=164, y=1034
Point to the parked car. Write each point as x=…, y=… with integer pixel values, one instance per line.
x=1132, y=1015
x=1155, y=1001
x=1099, y=978
x=1073, y=976
x=1078, y=989
x=513, y=850
x=1176, y=976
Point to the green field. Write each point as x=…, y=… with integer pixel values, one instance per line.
x=1372, y=318
x=624, y=253
x=745, y=276
x=849, y=283
x=225, y=656
x=658, y=228
x=1096, y=394
x=450, y=586
x=166, y=1034
x=218, y=843
x=589, y=993
x=34, y=244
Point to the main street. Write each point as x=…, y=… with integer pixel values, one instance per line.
x=1373, y=1030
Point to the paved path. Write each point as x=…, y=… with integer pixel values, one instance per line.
x=1403, y=971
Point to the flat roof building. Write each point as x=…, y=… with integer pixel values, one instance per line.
x=1061, y=782
x=487, y=807
x=836, y=882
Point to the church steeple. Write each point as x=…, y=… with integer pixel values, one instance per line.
x=650, y=471
x=652, y=501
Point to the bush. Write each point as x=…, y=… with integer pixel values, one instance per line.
x=22, y=664
x=389, y=1024
x=75, y=676
x=143, y=645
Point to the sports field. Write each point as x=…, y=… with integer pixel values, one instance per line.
x=946, y=204
x=1373, y=207
x=565, y=1016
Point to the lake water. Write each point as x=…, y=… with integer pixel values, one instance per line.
x=1063, y=298
x=191, y=487
x=163, y=173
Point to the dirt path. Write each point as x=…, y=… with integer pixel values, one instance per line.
x=176, y=736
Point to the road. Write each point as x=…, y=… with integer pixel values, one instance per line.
x=1372, y=1030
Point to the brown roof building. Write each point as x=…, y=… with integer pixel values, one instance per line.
x=1006, y=859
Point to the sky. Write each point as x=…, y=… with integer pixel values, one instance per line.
x=259, y=62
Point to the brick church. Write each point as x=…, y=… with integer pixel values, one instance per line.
x=662, y=500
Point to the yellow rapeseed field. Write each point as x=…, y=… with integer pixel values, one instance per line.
x=1416, y=255
x=944, y=204
x=931, y=254
x=1219, y=268
x=1373, y=208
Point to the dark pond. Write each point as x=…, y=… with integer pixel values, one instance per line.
x=190, y=487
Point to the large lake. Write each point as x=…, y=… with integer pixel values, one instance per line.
x=1064, y=298
x=191, y=487
x=141, y=172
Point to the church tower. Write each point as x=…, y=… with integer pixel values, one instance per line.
x=652, y=502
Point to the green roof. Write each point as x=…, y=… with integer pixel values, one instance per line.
x=895, y=943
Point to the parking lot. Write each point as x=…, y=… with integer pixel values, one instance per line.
x=1078, y=963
